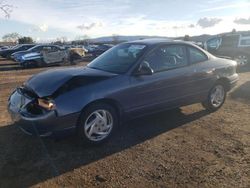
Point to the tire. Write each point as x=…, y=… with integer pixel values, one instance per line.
x=92, y=121
x=39, y=64
x=25, y=65
x=214, y=103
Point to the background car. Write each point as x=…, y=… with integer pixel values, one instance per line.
x=233, y=45
x=7, y=53
x=48, y=56
x=130, y=80
x=84, y=49
x=100, y=49
x=90, y=48
x=38, y=48
x=4, y=47
x=76, y=54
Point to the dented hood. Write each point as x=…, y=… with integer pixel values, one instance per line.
x=48, y=82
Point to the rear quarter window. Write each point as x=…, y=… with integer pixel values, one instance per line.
x=196, y=55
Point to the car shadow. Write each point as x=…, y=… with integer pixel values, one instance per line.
x=27, y=161
x=2, y=59
x=10, y=68
x=8, y=64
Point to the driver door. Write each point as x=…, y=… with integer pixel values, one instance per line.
x=53, y=56
x=167, y=87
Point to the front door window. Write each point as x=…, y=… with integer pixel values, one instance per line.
x=167, y=57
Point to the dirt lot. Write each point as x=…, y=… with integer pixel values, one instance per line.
x=179, y=148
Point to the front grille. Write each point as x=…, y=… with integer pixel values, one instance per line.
x=34, y=109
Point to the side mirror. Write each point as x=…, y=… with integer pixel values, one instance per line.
x=144, y=69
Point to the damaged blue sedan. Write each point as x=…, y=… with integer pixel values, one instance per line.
x=128, y=81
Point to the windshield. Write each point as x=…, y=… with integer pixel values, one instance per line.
x=36, y=48
x=16, y=47
x=118, y=59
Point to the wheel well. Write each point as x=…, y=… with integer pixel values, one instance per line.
x=110, y=102
x=225, y=82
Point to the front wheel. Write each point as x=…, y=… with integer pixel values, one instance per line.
x=8, y=56
x=97, y=123
x=216, y=98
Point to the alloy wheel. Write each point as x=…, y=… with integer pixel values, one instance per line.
x=217, y=96
x=98, y=125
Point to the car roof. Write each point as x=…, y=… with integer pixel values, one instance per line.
x=27, y=44
x=21, y=45
x=150, y=41
x=154, y=42
x=157, y=41
x=46, y=45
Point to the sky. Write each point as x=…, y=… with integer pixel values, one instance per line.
x=47, y=20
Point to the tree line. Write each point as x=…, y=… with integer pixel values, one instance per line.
x=16, y=38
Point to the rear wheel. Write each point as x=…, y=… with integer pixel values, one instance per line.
x=97, y=123
x=39, y=63
x=216, y=98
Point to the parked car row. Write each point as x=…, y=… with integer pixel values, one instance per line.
x=41, y=55
x=4, y=47
x=6, y=53
x=92, y=49
x=47, y=54
x=96, y=50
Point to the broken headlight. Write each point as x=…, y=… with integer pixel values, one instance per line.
x=47, y=104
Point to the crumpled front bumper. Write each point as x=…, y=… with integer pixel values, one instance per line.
x=42, y=124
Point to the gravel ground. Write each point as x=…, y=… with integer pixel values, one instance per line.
x=187, y=147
